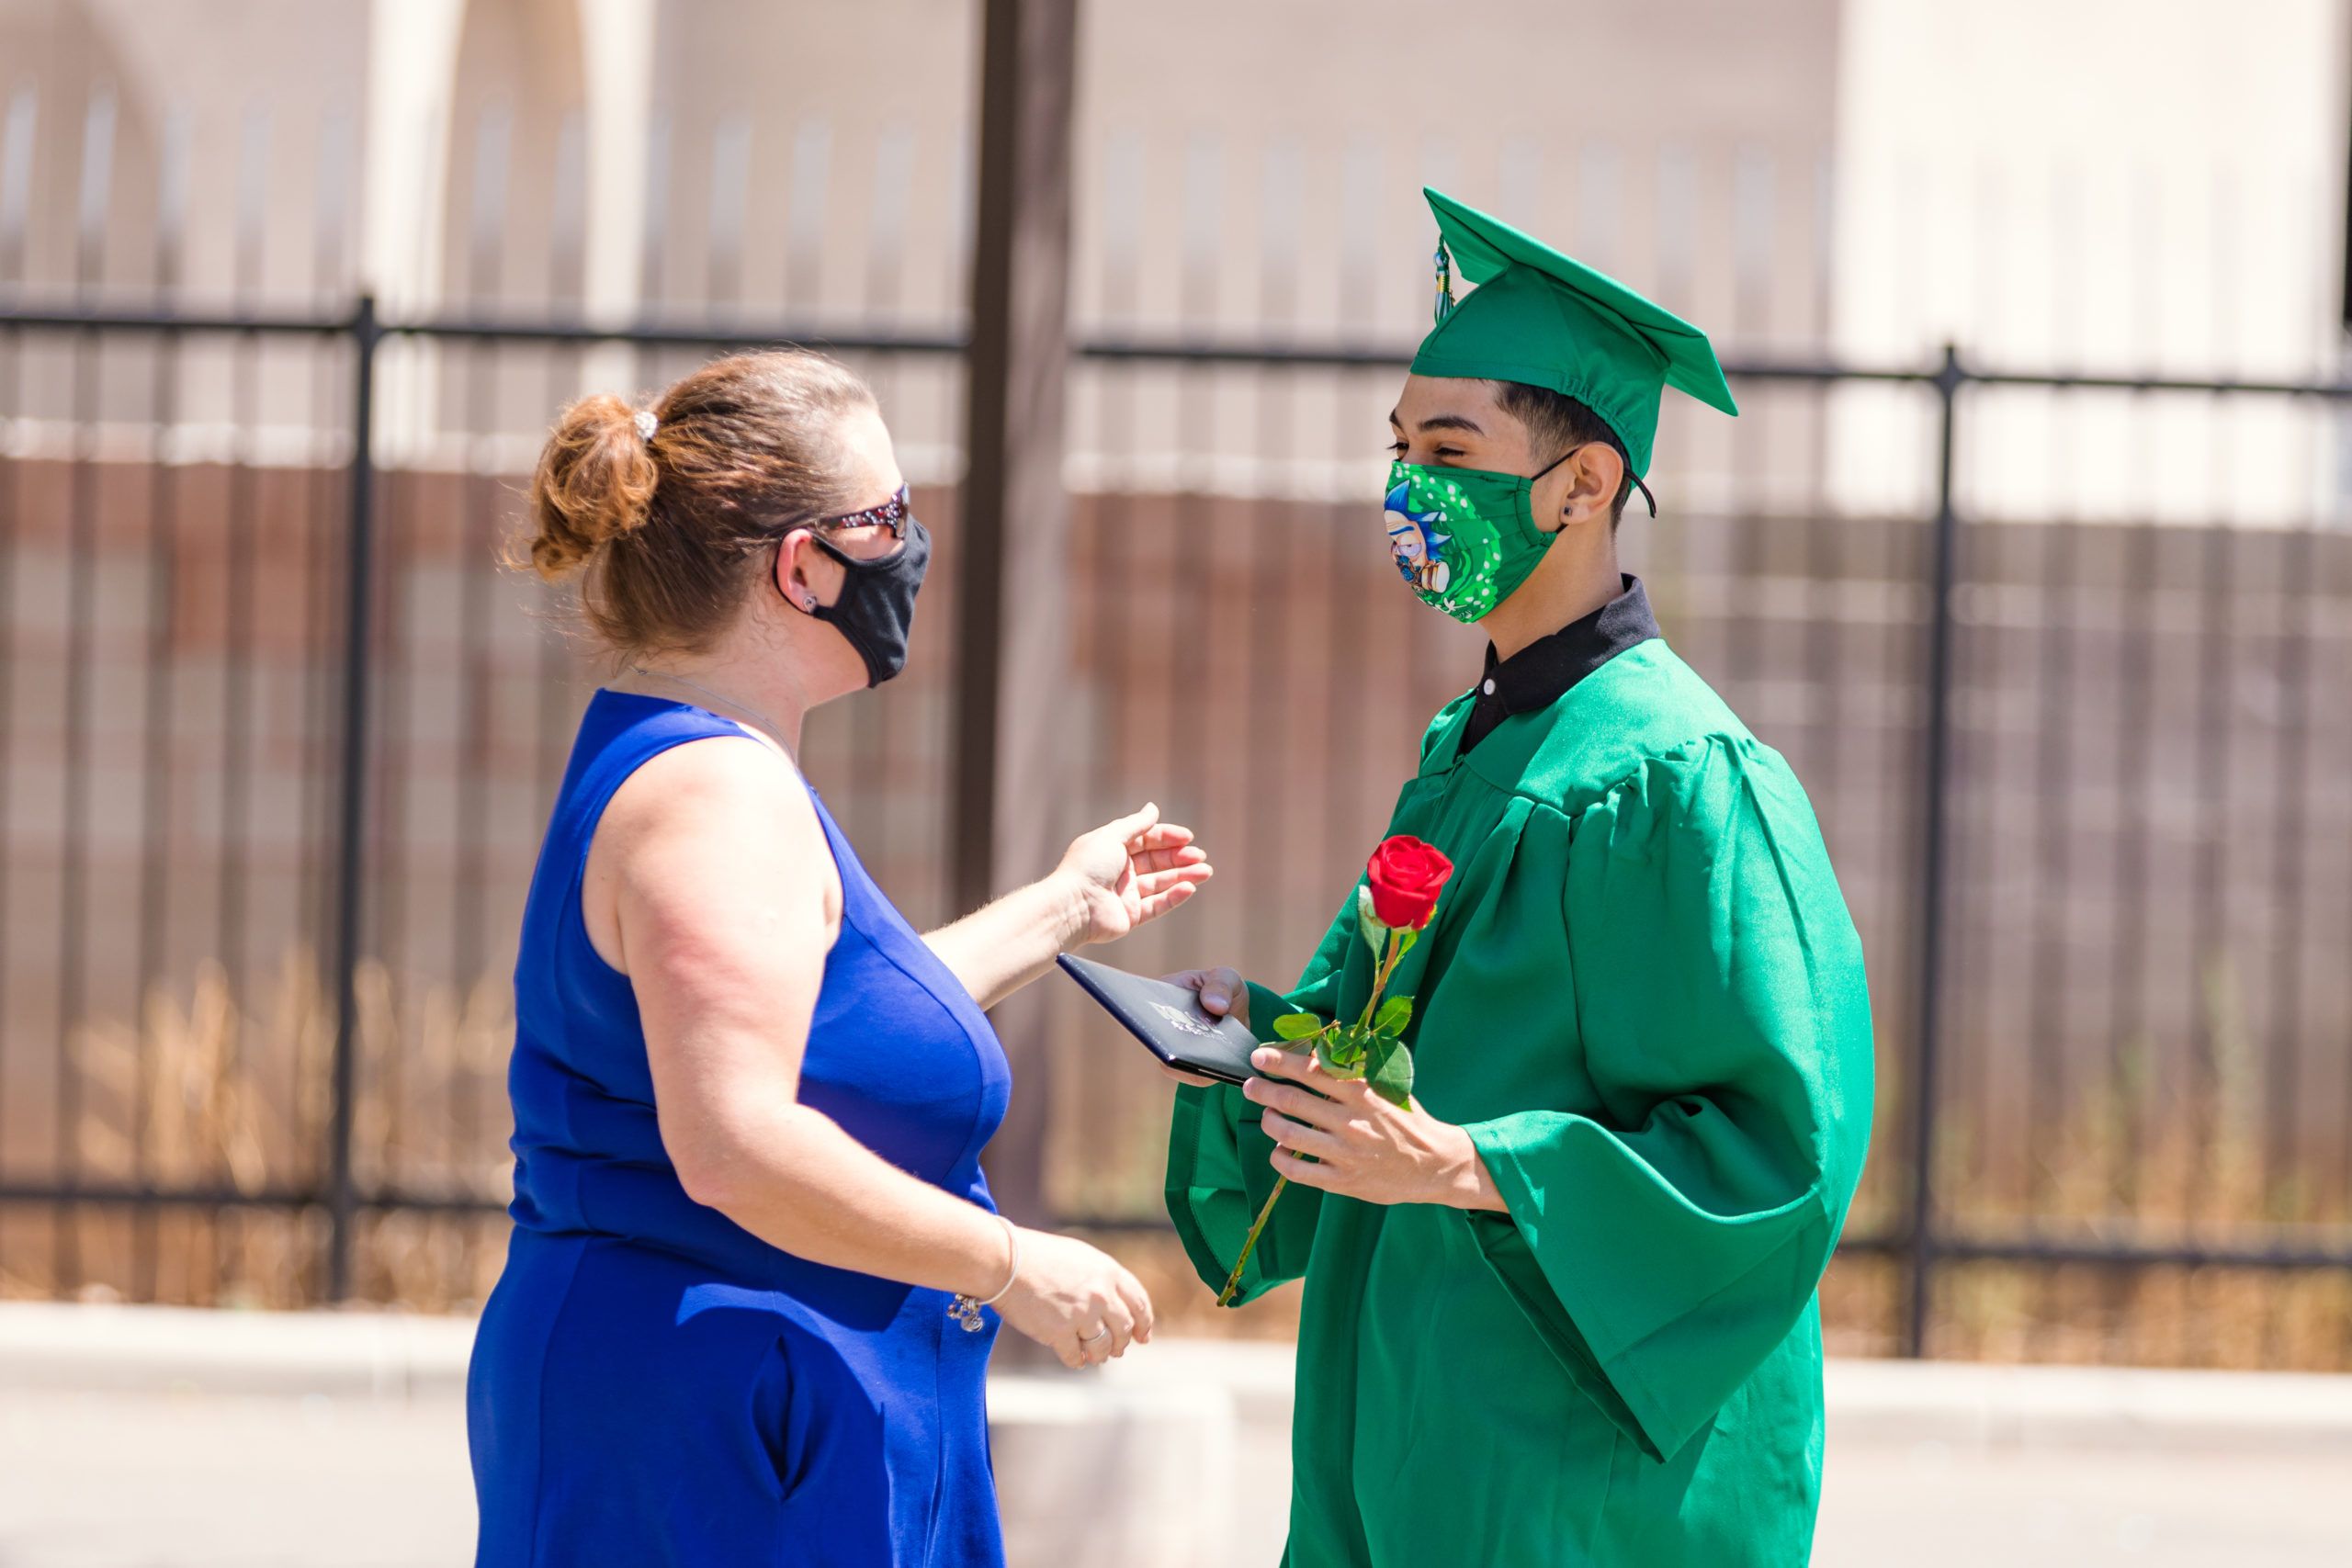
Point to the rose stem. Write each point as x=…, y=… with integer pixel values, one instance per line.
x=1233, y=1282
x=1265, y=1212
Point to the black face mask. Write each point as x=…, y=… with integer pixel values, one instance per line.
x=875, y=608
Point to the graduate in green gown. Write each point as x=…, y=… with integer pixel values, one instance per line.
x=1561, y=1309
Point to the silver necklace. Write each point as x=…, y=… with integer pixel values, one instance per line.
x=776, y=730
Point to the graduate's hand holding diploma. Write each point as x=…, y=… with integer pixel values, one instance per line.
x=1223, y=993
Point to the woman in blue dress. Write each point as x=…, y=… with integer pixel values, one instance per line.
x=755, y=1272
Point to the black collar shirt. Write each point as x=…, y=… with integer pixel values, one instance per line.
x=1542, y=673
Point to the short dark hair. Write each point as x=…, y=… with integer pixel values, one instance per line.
x=1560, y=423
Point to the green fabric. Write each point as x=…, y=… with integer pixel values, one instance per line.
x=1544, y=318
x=1644, y=998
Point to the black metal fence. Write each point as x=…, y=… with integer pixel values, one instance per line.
x=2083, y=780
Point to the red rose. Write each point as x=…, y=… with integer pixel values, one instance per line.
x=1406, y=877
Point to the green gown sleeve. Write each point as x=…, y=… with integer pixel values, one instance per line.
x=1669, y=1243
x=1218, y=1174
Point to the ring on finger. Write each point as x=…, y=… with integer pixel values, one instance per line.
x=1085, y=1339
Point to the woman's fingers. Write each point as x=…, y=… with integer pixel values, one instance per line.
x=1160, y=904
x=1138, y=1301
x=1162, y=891
x=1164, y=837
x=1153, y=883
x=1120, y=1319
x=1151, y=861
x=1107, y=1336
x=1159, y=900
x=1136, y=824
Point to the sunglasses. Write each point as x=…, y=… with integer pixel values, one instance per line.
x=891, y=514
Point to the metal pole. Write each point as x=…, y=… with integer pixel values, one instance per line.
x=1934, y=809
x=358, y=645
x=1012, y=670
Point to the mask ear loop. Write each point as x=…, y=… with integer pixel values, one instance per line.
x=1638, y=483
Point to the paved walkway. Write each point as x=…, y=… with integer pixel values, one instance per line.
x=133, y=1440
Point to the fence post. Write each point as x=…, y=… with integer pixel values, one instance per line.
x=1943, y=572
x=1013, y=525
x=358, y=648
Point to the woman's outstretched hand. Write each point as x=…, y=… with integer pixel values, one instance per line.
x=1132, y=870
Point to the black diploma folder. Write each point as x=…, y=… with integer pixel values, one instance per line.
x=1169, y=1022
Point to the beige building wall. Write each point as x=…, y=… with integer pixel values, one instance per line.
x=1253, y=169
x=2119, y=186
x=2081, y=182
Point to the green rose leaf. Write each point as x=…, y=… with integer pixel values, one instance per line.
x=1394, y=1015
x=1339, y=1069
x=1296, y=1026
x=1391, y=1071
x=1342, y=1052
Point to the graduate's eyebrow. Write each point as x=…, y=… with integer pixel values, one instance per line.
x=1442, y=421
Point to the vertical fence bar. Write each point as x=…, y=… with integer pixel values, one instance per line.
x=160, y=686
x=84, y=407
x=1935, y=802
x=357, y=646
x=74, y=847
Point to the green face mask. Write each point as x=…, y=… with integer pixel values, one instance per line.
x=1465, y=538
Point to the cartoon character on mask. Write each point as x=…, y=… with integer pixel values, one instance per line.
x=1416, y=544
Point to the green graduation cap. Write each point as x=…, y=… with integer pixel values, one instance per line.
x=1540, y=318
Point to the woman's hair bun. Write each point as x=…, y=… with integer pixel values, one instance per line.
x=594, y=482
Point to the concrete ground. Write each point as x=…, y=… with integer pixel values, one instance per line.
x=139, y=1439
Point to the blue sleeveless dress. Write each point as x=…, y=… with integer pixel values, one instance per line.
x=652, y=1384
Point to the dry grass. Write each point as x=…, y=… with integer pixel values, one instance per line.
x=206, y=1093
x=209, y=1095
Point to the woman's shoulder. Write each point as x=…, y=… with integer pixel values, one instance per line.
x=719, y=779
x=716, y=828
x=683, y=780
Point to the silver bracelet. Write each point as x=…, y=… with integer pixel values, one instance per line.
x=965, y=1309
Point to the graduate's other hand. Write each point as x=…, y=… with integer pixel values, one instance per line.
x=1223, y=995
x=1364, y=1146
x=1128, y=871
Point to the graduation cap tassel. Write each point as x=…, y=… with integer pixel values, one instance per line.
x=1444, y=282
